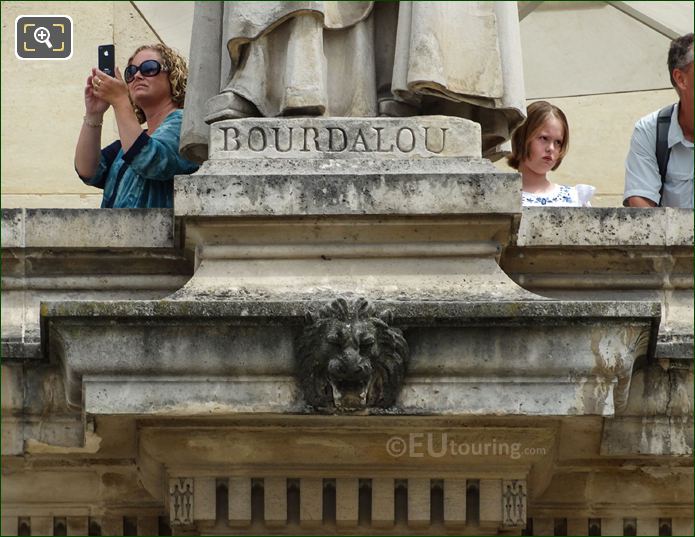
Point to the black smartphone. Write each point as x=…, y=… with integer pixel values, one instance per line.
x=107, y=59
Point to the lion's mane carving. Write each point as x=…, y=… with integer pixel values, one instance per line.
x=349, y=358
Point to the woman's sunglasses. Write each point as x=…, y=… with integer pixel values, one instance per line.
x=147, y=68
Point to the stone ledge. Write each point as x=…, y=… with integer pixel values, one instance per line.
x=353, y=166
x=87, y=228
x=18, y=350
x=437, y=194
x=675, y=347
x=454, y=342
x=666, y=347
x=412, y=313
x=607, y=227
x=194, y=397
x=648, y=435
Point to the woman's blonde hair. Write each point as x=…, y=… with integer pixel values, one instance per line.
x=176, y=68
x=537, y=114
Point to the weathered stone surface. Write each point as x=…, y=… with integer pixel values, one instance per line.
x=239, y=501
x=346, y=502
x=410, y=313
x=612, y=254
x=59, y=254
x=85, y=228
x=648, y=435
x=316, y=137
x=329, y=272
x=674, y=346
x=418, y=503
x=565, y=365
x=455, y=347
x=622, y=227
x=13, y=228
x=658, y=416
x=361, y=165
x=366, y=193
x=661, y=389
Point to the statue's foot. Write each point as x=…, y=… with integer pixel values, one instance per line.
x=229, y=105
x=389, y=107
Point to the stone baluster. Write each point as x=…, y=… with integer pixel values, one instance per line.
x=42, y=525
x=648, y=526
x=543, y=526
x=609, y=526
x=418, y=503
x=490, y=502
x=580, y=526
x=311, y=502
x=77, y=525
x=454, y=502
x=205, y=504
x=682, y=526
x=347, y=502
x=513, y=503
x=181, y=501
x=275, y=501
x=239, y=499
x=10, y=525
x=383, y=508
x=112, y=525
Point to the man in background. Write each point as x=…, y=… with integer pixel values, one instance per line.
x=659, y=165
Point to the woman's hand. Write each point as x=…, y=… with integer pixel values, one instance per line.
x=107, y=89
x=94, y=105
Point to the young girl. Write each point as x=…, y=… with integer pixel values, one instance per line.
x=538, y=146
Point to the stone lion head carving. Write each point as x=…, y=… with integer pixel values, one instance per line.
x=349, y=358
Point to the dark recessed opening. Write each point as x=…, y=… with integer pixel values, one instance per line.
x=560, y=526
x=473, y=502
x=23, y=526
x=257, y=499
x=94, y=528
x=594, y=526
x=60, y=526
x=400, y=499
x=364, y=510
x=163, y=526
x=437, y=501
x=665, y=526
x=293, y=500
x=329, y=507
x=528, y=530
x=221, y=502
x=629, y=526
x=130, y=525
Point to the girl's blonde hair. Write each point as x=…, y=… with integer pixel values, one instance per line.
x=176, y=69
x=537, y=114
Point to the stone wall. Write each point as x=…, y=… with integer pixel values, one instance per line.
x=110, y=470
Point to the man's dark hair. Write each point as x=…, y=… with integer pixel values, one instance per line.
x=680, y=54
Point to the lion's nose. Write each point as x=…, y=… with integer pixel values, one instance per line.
x=349, y=367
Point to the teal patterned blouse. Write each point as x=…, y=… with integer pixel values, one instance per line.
x=143, y=176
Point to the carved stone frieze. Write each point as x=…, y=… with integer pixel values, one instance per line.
x=181, y=501
x=617, y=354
x=514, y=502
x=348, y=357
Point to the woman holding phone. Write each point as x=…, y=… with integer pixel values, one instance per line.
x=138, y=169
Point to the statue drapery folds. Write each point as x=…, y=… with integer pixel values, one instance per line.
x=354, y=59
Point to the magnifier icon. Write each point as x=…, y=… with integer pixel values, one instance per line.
x=42, y=35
